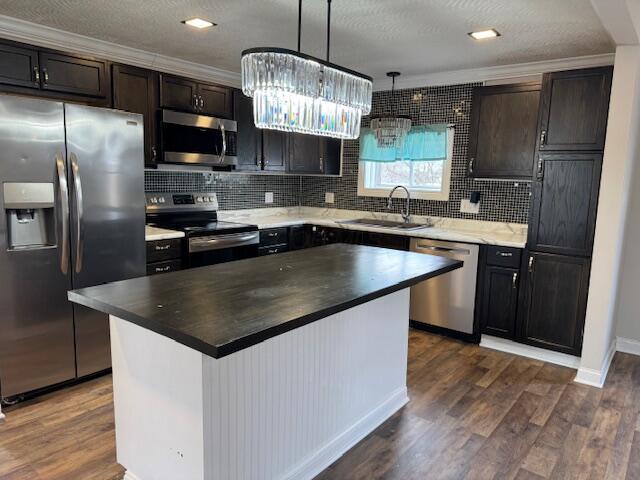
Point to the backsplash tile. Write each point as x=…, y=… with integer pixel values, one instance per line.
x=234, y=191
x=500, y=200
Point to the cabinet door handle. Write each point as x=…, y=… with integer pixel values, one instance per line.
x=45, y=76
x=154, y=154
x=531, y=264
x=274, y=250
x=543, y=137
x=36, y=74
x=540, y=174
x=321, y=164
x=471, y=160
x=272, y=234
x=160, y=248
x=514, y=280
x=201, y=102
x=195, y=102
x=504, y=254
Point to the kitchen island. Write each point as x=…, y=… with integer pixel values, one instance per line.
x=270, y=367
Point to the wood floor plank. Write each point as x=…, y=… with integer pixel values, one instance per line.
x=633, y=469
x=474, y=414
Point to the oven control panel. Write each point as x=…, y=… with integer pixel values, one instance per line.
x=182, y=201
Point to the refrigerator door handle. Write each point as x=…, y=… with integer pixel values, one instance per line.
x=77, y=188
x=64, y=216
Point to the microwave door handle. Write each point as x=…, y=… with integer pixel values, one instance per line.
x=64, y=214
x=77, y=187
x=224, y=144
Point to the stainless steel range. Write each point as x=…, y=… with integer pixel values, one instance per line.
x=208, y=241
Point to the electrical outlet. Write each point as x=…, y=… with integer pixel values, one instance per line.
x=268, y=197
x=467, y=207
x=329, y=197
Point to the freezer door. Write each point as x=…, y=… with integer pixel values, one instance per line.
x=36, y=322
x=105, y=152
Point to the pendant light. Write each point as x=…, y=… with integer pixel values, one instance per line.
x=295, y=92
x=391, y=130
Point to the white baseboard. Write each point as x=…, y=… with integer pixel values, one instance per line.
x=593, y=377
x=129, y=476
x=628, y=345
x=337, y=447
x=509, y=346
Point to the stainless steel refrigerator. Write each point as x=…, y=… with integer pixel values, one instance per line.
x=72, y=216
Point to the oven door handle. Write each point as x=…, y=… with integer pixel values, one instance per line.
x=217, y=242
x=224, y=144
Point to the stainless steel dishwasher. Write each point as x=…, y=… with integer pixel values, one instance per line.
x=446, y=301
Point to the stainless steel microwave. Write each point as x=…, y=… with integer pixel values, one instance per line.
x=187, y=138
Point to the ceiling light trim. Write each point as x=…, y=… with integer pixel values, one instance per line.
x=483, y=74
x=48, y=37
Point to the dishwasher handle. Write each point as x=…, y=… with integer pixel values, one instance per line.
x=435, y=248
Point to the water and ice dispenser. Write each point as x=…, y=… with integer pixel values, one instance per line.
x=30, y=213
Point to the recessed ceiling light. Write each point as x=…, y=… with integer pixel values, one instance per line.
x=484, y=34
x=198, y=23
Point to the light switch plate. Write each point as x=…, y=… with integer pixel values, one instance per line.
x=268, y=197
x=329, y=197
x=467, y=207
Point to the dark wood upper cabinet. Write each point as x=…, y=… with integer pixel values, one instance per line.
x=555, y=300
x=502, y=139
x=315, y=155
x=249, y=150
x=499, y=302
x=136, y=90
x=215, y=100
x=330, y=156
x=304, y=153
x=564, y=203
x=574, y=108
x=274, y=150
x=178, y=93
x=19, y=66
x=188, y=95
x=74, y=75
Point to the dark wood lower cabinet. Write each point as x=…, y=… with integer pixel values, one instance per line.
x=499, y=301
x=554, y=301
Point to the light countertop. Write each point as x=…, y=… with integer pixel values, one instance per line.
x=155, y=233
x=449, y=229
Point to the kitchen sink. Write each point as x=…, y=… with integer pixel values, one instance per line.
x=372, y=222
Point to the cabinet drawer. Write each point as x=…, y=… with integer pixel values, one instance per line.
x=503, y=256
x=273, y=249
x=163, y=267
x=274, y=236
x=159, y=250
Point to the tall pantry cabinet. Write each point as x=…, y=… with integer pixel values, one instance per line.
x=566, y=181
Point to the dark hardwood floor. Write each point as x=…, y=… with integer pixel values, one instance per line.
x=474, y=414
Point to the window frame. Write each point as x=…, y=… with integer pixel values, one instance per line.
x=442, y=195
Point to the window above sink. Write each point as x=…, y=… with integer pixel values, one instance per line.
x=428, y=180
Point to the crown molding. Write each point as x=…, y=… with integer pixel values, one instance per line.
x=484, y=74
x=32, y=33
x=40, y=35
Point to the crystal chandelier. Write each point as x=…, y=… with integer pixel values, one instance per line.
x=295, y=92
x=391, y=130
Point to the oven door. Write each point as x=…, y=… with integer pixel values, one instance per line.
x=212, y=249
x=198, y=139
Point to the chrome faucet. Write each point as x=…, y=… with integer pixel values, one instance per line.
x=406, y=214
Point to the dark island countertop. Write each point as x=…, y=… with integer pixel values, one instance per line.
x=221, y=309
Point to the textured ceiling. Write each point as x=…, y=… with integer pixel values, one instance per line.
x=373, y=36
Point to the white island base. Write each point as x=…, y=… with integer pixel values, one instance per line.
x=285, y=408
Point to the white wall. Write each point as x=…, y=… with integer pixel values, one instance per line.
x=620, y=155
